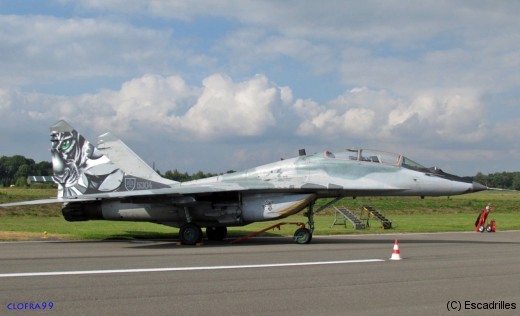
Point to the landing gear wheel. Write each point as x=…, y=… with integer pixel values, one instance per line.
x=216, y=233
x=302, y=236
x=482, y=229
x=190, y=234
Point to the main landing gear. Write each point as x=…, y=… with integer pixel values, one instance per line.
x=216, y=233
x=191, y=234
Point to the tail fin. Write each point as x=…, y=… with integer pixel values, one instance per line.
x=117, y=151
x=80, y=168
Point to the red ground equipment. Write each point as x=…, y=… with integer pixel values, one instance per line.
x=480, y=223
x=491, y=227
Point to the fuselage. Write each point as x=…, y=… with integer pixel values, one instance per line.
x=327, y=175
x=275, y=190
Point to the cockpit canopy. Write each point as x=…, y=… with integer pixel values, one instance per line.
x=376, y=156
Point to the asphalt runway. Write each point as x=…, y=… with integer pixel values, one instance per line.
x=334, y=275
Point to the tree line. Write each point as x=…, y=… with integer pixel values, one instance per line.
x=500, y=180
x=176, y=175
x=14, y=170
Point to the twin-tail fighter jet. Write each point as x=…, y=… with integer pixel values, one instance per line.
x=110, y=182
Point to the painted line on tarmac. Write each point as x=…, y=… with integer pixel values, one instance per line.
x=249, y=266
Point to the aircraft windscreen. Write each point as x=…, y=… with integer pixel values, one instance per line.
x=410, y=164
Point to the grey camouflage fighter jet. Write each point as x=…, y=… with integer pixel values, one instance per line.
x=110, y=182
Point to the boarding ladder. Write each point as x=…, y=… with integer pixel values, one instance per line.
x=372, y=212
x=345, y=215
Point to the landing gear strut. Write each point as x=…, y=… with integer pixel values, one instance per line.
x=304, y=235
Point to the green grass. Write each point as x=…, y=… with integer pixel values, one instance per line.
x=408, y=214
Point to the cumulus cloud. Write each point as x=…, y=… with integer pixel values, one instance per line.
x=226, y=108
x=5, y=100
x=447, y=115
x=359, y=112
x=49, y=49
x=366, y=114
x=221, y=108
x=252, y=46
x=157, y=107
x=431, y=74
x=508, y=131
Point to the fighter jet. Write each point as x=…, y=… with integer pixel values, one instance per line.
x=110, y=182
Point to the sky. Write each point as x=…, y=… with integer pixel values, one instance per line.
x=218, y=85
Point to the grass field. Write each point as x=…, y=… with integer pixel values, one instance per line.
x=408, y=214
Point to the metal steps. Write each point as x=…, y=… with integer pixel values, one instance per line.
x=346, y=215
x=343, y=214
x=372, y=212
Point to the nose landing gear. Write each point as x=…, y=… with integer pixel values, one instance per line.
x=302, y=236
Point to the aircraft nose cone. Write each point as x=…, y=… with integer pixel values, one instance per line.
x=476, y=187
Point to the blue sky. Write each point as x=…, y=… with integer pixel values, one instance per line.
x=219, y=85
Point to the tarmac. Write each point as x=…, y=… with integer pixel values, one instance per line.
x=333, y=275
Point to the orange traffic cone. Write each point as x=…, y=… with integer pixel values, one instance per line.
x=396, y=255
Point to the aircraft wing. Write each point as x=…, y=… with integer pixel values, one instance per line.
x=187, y=190
x=173, y=191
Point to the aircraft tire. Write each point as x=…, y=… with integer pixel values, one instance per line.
x=216, y=233
x=302, y=236
x=482, y=229
x=190, y=234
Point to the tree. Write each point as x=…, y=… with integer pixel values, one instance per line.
x=43, y=168
x=10, y=166
x=503, y=180
x=23, y=171
x=516, y=181
x=18, y=167
x=176, y=175
x=21, y=182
